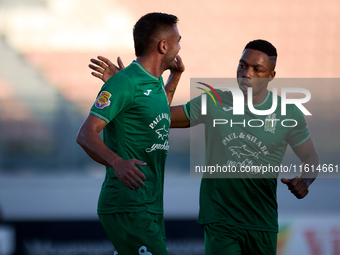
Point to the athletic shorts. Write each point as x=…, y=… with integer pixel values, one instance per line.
x=139, y=233
x=222, y=239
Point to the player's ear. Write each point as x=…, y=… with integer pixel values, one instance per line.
x=162, y=46
x=272, y=75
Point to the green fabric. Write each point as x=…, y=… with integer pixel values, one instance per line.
x=222, y=239
x=134, y=105
x=135, y=233
x=245, y=200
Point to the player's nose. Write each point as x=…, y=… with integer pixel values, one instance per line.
x=247, y=73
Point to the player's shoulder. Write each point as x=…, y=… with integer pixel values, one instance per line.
x=291, y=109
x=295, y=111
x=123, y=77
x=221, y=92
x=226, y=95
x=119, y=84
x=212, y=93
x=134, y=69
x=133, y=73
x=218, y=91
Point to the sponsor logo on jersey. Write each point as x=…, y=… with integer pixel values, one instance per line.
x=241, y=150
x=158, y=146
x=250, y=154
x=270, y=123
x=247, y=138
x=162, y=132
x=103, y=100
x=154, y=123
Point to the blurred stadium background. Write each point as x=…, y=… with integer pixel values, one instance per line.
x=49, y=186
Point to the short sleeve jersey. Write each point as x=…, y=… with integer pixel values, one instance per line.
x=247, y=199
x=134, y=105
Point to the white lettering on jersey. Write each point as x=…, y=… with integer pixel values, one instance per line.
x=154, y=123
x=158, y=146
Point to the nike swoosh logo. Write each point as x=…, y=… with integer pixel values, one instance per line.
x=147, y=92
x=227, y=109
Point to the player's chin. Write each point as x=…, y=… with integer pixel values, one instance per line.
x=171, y=65
x=244, y=89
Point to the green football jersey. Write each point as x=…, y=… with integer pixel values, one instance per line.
x=135, y=106
x=246, y=199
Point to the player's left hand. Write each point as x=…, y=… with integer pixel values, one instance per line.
x=179, y=66
x=298, y=186
x=104, y=68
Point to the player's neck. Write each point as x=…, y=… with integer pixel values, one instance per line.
x=151, y=64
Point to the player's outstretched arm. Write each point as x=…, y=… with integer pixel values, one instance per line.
x=94, y=146
x=308, y=156
x=178, y=118
x=104, y=68
x=174, y=77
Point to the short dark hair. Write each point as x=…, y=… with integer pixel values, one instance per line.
x=263, y=46
x=148, y=26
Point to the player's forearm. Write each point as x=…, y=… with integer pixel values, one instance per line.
x=94, y=146
x=178, y=118
x=171, y=85
x=179, y=124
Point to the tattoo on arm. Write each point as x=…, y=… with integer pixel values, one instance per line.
x=172, y=92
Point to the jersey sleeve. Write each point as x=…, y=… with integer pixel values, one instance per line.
x=300, y=133
x=115, y=96
x=192, y=111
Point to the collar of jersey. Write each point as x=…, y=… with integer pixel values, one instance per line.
x=145, y=71
x=264, y=100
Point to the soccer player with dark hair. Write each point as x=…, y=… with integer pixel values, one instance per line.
x=239, y=214
x=133, y=109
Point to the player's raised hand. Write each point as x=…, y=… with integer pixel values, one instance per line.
x=128, y=173
x=104, y=68
x=179, y=66
x=298, y=186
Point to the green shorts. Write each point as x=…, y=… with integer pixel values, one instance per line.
x=139, y=233
x=222, y=239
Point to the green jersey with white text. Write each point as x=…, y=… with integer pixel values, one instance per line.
x=245, y=199
x=134, y=105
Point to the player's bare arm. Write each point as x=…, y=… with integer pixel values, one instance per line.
x=178, y=118
x=308, y=155
x=174, y=77
x=104, y=69
x=125, y=170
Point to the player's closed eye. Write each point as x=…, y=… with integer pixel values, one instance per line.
x=259, y=69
